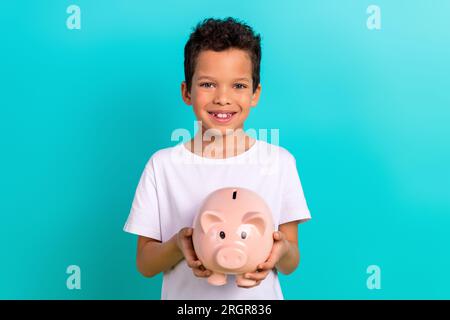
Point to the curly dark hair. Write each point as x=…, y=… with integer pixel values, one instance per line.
x=220, y=35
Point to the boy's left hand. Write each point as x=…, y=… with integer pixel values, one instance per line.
x=279, y=249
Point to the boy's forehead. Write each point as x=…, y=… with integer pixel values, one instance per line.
x=231, y=62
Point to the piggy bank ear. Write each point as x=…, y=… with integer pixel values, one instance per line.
x=255, y=218
x=209, y=218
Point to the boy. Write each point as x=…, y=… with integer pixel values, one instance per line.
x=222, y=63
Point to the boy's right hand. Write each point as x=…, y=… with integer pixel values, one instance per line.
x=184, y=242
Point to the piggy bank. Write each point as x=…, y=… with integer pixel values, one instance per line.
x=233, y=234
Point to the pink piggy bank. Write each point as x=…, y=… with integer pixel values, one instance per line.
x=233, y=234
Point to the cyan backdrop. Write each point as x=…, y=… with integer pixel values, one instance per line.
x=365, y=112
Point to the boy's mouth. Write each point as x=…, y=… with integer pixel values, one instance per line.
x=222, y=117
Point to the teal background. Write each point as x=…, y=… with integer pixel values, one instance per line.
x=366, y=114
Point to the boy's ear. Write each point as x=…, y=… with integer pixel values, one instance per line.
x=255, y=96
x=185, y=94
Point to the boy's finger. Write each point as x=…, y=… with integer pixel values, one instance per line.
x=187, y=232
x=202, y=267
x=190, y=263
x=268, y=265
x=197, y=272
x=193, y=263
x=190, y=255
x=206, y=273
x=188, y=246
x=277, y=235
x=197, y=263
x=201, y=273
x=257, y=275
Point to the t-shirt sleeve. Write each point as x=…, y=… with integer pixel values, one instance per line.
x=144, y=218
x=294, y=206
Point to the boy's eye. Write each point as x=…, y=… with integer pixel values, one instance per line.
x=241, y=86
x=206, y=84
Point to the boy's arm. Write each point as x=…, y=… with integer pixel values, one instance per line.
x=154, y=256
x=289, y=234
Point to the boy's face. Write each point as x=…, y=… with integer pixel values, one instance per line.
x=222, y=89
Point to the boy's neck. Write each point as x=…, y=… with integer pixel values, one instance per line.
x=220, y=147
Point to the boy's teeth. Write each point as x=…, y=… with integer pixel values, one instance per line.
x=222, y=115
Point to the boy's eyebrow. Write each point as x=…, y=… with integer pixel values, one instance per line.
x=212, y=78
x=244, y=78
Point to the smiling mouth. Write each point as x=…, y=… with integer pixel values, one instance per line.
x=222, y=117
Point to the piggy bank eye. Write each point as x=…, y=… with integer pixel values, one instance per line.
x=243, y=234
x=222, y=234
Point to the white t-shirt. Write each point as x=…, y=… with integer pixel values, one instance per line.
x=174, y=184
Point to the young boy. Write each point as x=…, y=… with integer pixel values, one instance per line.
x=222, y=63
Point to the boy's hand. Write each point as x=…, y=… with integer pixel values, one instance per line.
x=184, y=242
x=279, y=249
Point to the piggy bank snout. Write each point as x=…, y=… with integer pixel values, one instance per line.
x=231, y=258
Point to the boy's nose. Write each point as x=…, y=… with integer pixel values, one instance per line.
x=221, y=97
